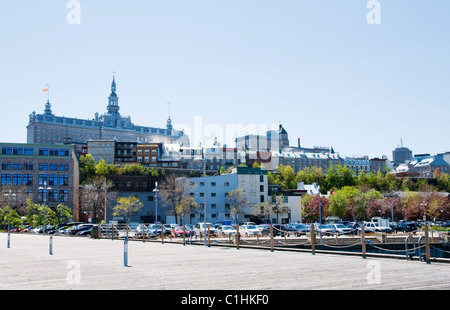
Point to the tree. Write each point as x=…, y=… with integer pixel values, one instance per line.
x=94, y=197
x=284, y=176
x=379, y=207
x=86, y=168
x=173, y=190
x=312, y=209
x=310, y=175
x=102, y=169
x=63, y=214
x=187, y=205
x=128, y=207
x=237, y=201
x=273, y=206
x=15, y=220
x=338, y=204
x=362, y=200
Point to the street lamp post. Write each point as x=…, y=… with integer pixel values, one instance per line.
x=320, y=218
x=424, y=212
x=204, y=198
x=156, y=202
x=45, y=190
x=9, y=217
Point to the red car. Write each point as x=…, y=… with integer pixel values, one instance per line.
x=178, y=232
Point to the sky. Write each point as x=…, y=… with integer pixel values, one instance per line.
x=315, y=66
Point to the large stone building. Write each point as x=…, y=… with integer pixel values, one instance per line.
x=49, y=128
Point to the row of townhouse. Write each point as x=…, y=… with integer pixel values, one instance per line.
x=192, y=158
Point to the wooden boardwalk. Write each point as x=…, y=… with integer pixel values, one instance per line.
x=91, y=264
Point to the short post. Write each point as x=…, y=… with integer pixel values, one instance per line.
x=237, y=237
x=271, y=237
x=125, y=252
x=209, y=236
x=427, y=245
x=144, y=231
x=184, y=234
x=50, y=249
x=112, y=229
x=162, y=234
x=363, y=242
x=313, y=239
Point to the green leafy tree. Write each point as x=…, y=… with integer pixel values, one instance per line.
x=64, y=214
x=102, y=169
x=338, y=204
x=284, y=176
x=15, y=220
x=128, y=207
x=86, y=168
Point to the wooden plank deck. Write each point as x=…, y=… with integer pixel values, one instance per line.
x=28, y=265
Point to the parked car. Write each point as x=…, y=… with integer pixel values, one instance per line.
x=375, y=227
x=341, y=229
x=249, y=230
x=282, y=230
x=200, y=228
x=85, y=230
x=405, y=227
x=82, y=227
x=178, y=232
x=226, y=230
x=299, y=229
x=264, y=228
x=325, y=229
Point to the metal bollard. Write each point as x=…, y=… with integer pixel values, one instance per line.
x=271, y=237
x=363, y=242
x=125, y=252
x=50, y=250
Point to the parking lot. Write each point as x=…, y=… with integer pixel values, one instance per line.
x=94, y=264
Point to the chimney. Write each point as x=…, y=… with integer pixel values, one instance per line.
x=299, y=142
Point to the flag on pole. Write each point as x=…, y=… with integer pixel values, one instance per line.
x=45, y=89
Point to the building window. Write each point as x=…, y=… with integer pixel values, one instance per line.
x=42, y=179
x=6, y=179
x=17, y=179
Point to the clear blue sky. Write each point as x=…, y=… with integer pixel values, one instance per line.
x=316, y=66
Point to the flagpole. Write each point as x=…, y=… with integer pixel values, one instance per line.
x=48, y=92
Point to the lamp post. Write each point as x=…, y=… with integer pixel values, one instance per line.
x=424, y=212
x=156, y=202
x=9, y=218
x=320, y=217
x=45, y=190
x=204, y=198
